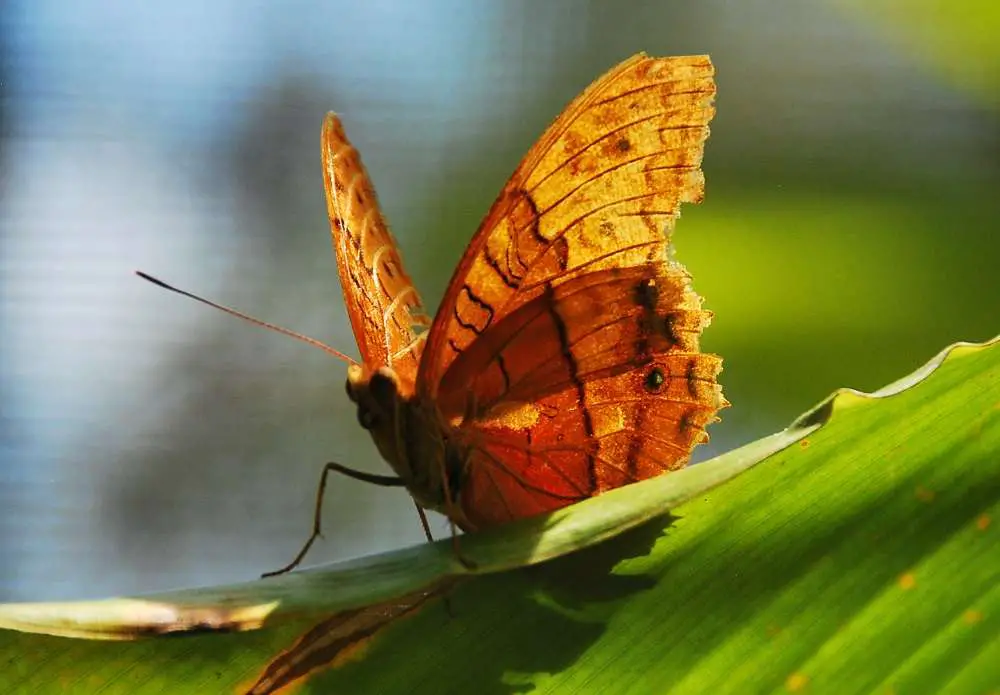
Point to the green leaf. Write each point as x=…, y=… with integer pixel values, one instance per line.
x=864, y=558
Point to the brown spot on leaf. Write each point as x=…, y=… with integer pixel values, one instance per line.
x=796, y=682
x=972, y=616
x=337, y=640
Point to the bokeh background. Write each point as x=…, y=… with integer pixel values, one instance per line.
x=850, y=231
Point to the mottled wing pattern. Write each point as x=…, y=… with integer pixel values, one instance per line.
x=384, y=307
x=596, y=384
x=565, y=354
x=600, y=189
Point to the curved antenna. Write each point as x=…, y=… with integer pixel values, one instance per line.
x=246, y=317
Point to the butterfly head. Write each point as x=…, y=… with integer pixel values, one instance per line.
x=377, y=397
x=402, y=432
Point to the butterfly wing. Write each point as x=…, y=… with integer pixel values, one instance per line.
x=595, y=384
x=565, y=353
x=385, y=310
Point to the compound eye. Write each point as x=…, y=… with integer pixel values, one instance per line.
x=350, y=391
x=367, y=418
x=382, y=387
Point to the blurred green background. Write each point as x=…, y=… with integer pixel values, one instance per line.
x=849, y=231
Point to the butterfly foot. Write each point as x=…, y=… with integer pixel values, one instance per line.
x=467, y=563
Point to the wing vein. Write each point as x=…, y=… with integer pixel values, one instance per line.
x=566, y=162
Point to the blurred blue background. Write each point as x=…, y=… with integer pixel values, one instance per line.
x=849, y=232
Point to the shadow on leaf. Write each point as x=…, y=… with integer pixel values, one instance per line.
x=560, y=608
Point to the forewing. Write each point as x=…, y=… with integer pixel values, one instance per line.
x=599, y=190
x=384, y=307
x=565, y=357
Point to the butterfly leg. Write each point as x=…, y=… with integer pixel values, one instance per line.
x=332, y=467
x=423, y=522
x=455, y=543
x=456, y=547
x=445, y=598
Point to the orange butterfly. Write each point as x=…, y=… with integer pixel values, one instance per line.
x=563, y=361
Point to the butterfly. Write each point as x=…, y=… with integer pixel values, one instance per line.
x=564, y=360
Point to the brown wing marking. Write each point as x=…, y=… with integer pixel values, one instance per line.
x=599, y=191
x=645, y=422
x=596, y=383
x=595, y=324
x=384, y=307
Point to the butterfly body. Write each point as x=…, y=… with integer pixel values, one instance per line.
x=407, y=434
x=564, y=360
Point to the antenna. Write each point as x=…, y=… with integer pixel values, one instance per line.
x=246, y=317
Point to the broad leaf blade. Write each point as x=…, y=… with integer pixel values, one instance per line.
x=388, y=576
x=864, y=558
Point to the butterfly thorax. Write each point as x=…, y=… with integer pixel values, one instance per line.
x=405, y=432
